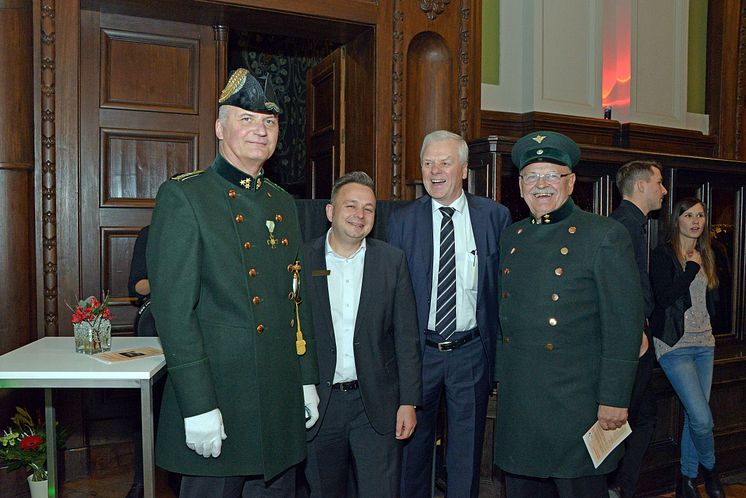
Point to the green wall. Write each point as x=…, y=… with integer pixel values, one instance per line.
x=491, y=42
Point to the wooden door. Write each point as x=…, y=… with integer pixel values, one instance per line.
x=325, y=124
x=148, y=106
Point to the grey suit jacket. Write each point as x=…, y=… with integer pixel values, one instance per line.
x=386, y=340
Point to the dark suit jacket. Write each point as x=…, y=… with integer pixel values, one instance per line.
x=411, y=229
x=387, y=349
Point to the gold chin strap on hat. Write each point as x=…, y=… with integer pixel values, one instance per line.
x=300, y=343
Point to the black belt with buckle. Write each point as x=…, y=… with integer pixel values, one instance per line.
x=451, y=345
x=346, y=386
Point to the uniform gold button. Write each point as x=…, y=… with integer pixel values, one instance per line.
x=252, y=272
x=292, y=322
x=564, y=251
x=256, y=300
x=552, y=322
x=572, y=229
x=284, y=241
x=290, y=267
x=559, y=271
x=247, y=245
x=520, y=231
x=549, y=347
x=260, y=328
x=506, y=270
x=555, y=297
x=278, y=217
x=506, y=340
x=232, y=194
x=512, y=250
x=506, y=294
x=239, y=218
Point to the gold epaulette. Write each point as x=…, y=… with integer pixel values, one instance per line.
x=186, y=176
x=273, y=184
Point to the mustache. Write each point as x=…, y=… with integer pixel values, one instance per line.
x=545, y=190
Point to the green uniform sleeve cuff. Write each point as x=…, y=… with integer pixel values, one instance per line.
x=193, y=387
x=617, y=378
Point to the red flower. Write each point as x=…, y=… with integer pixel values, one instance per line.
x=30, y=443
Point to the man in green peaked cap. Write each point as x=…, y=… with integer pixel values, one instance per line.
x=570, y=361
x=225, y=267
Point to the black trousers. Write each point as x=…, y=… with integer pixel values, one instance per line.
x=347, y=444
x=517, y=486
x=642, y=417
x=282, y=486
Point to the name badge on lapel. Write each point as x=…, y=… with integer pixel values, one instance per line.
x=321, y=273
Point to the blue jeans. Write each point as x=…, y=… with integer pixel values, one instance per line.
x=690, y=372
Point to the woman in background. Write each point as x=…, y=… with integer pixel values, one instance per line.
x=684, y=280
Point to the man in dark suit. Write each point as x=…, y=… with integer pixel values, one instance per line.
x=641, y=185
x=451, y=240
x=368, y=350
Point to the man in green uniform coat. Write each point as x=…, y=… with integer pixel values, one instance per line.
x=224, y=265
x=571, y=314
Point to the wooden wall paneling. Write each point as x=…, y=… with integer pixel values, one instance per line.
x=128, y=152
x=116, y=254
x=360, y=112
x=361, y=11
x=17, y=304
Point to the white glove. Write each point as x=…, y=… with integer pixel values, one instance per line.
x=205, y=433
x=311, y=401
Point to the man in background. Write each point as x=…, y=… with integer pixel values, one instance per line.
x=641, y=185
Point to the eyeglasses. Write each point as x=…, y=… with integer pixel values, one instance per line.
x=551, y=177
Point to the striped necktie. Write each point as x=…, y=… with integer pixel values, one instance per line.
x=445, y=311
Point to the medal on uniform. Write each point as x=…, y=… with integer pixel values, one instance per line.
x=300, y=343
x=271, y=241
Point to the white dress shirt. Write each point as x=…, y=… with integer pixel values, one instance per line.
x=466, y=265
x=345, y=281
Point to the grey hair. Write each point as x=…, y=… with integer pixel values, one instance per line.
x=439, y=136
x=359, y=177
x=222, y=114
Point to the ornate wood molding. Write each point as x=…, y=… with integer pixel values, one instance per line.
x=433, y=8
x=397, y=101
x=48, y=167
x=463, y=69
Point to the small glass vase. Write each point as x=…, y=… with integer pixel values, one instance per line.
x=92, y=338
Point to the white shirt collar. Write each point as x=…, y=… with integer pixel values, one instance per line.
x=328, y=248
x=459, y=204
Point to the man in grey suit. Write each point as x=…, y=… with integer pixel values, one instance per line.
x=368, y=350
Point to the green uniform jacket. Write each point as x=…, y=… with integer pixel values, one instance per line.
x=226, y=323
x=571, y=314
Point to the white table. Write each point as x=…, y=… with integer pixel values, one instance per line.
x=52, y=362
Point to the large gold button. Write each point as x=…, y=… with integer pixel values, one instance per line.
x=520, y=231
x=256, y=300
x=513, y=250
x=555, y=296
x=506, y=340
x=239, y=218
x=247, y=245
x=549, y=347
x=278, y=217
x=572, y=229
x=564, y=251
x=260, y=328
x=232, y=194
x=284, y=241
x=552, y=322
x=252, y=273
x=506, y=270
x=559, y=271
